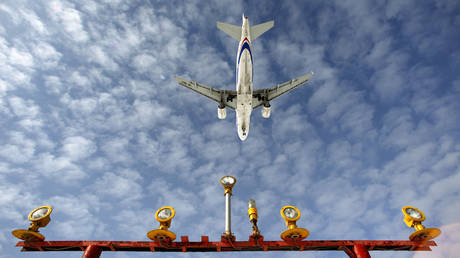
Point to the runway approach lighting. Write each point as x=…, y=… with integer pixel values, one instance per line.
x=252, y=212
x=39, y=217
x=164, y=215
x=413, y=218
x=291, y=214
x=228, y=182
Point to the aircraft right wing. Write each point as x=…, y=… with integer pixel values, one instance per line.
x=225, y=98
x=259, y=97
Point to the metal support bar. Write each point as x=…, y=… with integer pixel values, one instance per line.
x=354, y=248
x=92, y=251
x=361, y=251
x=228, y=211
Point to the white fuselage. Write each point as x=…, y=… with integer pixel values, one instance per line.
x=244, y=81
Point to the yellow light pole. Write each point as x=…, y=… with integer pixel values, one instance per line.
x=39, y=217
x=413, y=218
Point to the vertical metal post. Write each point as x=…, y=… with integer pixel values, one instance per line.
x=228, y=219
x=361, y=251
x=92, y=251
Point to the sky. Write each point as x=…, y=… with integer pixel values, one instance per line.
x=93, y=123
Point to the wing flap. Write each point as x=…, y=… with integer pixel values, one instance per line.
x=223, y=97
x=264, y=95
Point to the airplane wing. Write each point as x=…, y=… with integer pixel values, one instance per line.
x=223, y=97
x=259, y=97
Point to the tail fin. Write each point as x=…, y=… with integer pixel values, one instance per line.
x=259, y=29
x=232, y=30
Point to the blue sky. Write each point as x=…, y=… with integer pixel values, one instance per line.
x=93, y=123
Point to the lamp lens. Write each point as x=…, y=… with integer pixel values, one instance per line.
x=165, y=213
x=228, y=180
x=413, y=213
x=290, y=213
x=39, y=213
x=251, y=203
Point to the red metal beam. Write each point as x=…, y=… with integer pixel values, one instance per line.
x=92, y=251
x=354, y=248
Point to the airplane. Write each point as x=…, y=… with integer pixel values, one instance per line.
x=244, y=99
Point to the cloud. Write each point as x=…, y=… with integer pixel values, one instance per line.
x=121, y=186
x=69, y=18
x=35, y=21
x=94, y=123
x=77, y=147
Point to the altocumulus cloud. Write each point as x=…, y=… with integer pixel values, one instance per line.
x=93, y=123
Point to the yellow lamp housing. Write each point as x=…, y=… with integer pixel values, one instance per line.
x=291, y=214
x=164, y=215
x=413, y=218
x=252, y=210
x=39, y=217
x=228, y=182
x=252, y=213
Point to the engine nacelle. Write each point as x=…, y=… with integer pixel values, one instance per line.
x=266, y=112
x=221, y=113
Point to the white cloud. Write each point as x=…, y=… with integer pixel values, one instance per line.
x=93, y=121
x=23, y=108
x=123, y=187
x=69, y=18
x=47, y=54
x=60, y=169
x=19, y=149
x=34, y=21
x=78, y=147
x=21, y=58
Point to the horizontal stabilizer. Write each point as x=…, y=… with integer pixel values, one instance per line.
x=232, y=30
x=260, y=29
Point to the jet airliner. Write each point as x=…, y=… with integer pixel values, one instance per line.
x=244, y=99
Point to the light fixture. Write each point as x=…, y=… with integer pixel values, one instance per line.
x=413, y=218
x=228, y=182
x=291, y=214
x=39, y=217
x=164, y=215
x=252, y=213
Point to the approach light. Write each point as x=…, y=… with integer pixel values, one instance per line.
x=228, y=182
x=164, y=215
x=291, y=214
x=39, y=217
x=252, y=213
x=413, y=218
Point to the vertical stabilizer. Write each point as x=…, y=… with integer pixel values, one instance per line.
x=232, y=30
x=260, y=29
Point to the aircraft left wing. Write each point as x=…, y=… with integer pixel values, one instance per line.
x=259, y=97
x=225, y=98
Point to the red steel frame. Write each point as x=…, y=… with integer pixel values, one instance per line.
x=353, y=248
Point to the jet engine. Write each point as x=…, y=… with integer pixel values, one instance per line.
x=221, y=113
x=266, y=111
